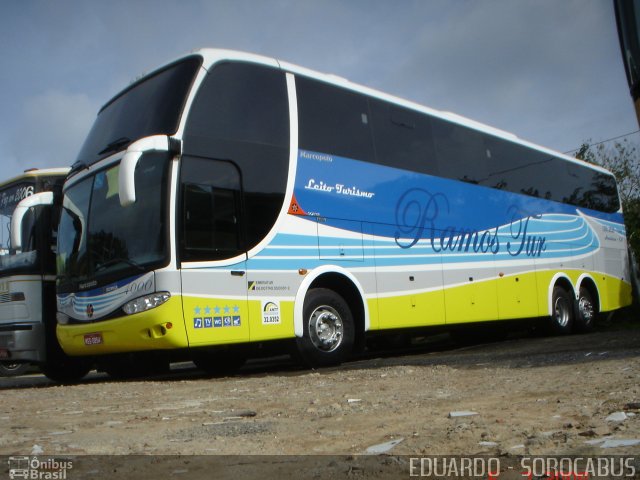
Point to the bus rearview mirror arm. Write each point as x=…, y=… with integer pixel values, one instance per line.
x=126, y=177
x=42, y=198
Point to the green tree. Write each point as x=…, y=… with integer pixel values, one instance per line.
x=623, y=160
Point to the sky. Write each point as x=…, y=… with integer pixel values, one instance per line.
x=549, y=71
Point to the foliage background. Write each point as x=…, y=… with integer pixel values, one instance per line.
x=622, y=158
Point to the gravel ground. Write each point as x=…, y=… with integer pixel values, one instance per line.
x=529, y=395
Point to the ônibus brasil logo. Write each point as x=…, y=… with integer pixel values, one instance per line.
x=41, y=469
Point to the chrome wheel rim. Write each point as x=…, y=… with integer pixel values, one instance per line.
x=562, y=313
x=585, y=307
x=326, y=329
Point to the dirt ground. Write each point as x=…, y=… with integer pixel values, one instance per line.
x=528, y=395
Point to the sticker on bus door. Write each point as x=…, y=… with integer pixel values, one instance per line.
x=270, y=312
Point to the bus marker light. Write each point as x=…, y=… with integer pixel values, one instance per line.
x=302, y=271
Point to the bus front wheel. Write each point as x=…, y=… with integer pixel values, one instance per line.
x=329, y=331
x=220, y=362
x=64, y=369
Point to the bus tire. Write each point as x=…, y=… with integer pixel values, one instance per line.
x=562, y=311
x=585, y=312
x=220, y=362
x=329, y=331
x=127, y=366
x=13, y=369
x=65, y=369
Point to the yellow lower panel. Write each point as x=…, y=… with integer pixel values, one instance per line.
x=617, y=294
x=474, y=302
x=413, y=310
x=544, y=280
x=220, y=321
x=215, y=321
x=158, y=329
x=614, y=293
x=518, y=296
x=270, y=320
x=510, y=297
x=374, y=317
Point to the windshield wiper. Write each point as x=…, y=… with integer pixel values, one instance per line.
x=115, y=145
x=78, y=166
x=115, y=261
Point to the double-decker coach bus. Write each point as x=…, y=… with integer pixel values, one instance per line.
x=230, y=199
x=28, y=227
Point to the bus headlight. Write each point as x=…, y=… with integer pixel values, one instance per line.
x=142, y=304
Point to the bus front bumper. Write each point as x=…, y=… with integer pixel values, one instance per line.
x=22, y=342
x=161, y=328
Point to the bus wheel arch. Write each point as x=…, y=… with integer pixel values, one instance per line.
x=331, y=289
x=587, y=304
x=562, y=310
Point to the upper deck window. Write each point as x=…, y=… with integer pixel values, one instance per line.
x=151, y=106
x=333, y=120
x=241, y=115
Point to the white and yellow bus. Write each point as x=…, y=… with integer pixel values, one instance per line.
x=229, y=199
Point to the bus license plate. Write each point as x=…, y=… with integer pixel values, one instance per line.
x=93, y=339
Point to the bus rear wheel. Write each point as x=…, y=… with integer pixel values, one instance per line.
x=329, y=331
x=562, y=311
x=586, y=312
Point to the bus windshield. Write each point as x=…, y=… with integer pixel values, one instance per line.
x=100, y=241
x=151, y=106
x=10, y=196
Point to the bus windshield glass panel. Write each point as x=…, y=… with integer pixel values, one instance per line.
x=100, y=240
x=152, y=106
x=10, y=196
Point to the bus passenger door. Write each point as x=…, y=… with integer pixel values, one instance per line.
x=213, y=261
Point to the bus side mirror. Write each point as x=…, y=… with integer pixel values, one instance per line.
x=126, y=177
x=42, y=198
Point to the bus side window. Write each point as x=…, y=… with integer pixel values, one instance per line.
x=603, y=194
x=333, y=120
x=461, y=152
x=403, y=138
x=515, y=168
x=210, y=210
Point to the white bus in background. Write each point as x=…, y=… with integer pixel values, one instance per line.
x=28, y=230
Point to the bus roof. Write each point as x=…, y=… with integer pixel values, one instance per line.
x=212, y=56
x=36, y=173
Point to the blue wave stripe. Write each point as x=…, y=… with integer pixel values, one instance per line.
x=564, y=236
